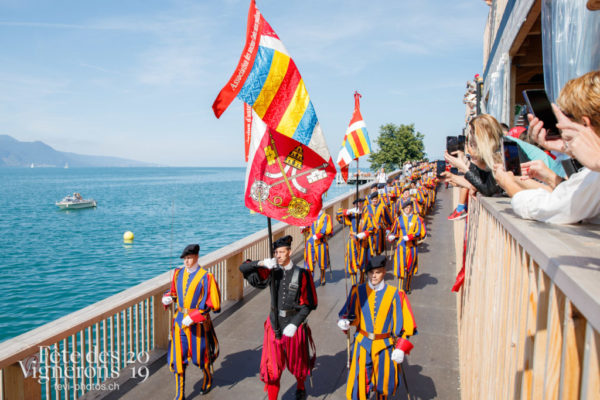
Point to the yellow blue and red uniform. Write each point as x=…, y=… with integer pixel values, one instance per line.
x=380, y=218
x=384, y=321
x=357, y=250
x=197, y=294
x=406, y=255
x=316, y=250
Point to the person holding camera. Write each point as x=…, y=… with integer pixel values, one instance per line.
x=577, y=198
x=195, y=293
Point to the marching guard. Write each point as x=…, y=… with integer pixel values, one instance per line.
x=357, y=246
x=384, y=321
x=195, y=293
x=380, y=218
x=408, y=229
x=287, y=338
x=316, y=248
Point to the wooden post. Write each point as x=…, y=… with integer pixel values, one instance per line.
x=17, y=387
x=235, y=280
x=161, y=323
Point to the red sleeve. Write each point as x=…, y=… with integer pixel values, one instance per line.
x=308, y=293
x=404, y=345
x=263, y=272
x=196, y=316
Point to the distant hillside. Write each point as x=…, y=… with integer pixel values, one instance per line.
x=14, y=153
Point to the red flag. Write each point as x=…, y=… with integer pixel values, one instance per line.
x=285, y=179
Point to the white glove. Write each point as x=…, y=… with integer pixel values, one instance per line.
x=387, y=231
x=397, y=356
x=405, y=238
x=343, y=324
x=270, y=263
x=167, y=300
x=187, y=320
x=391, y=238
x=315, y=237
x=353, y=210
x=289, y=330
x=361, y=235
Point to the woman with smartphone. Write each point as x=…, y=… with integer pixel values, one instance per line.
x=578, y=198
x=483, y=144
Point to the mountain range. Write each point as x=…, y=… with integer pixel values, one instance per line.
x=14, y=153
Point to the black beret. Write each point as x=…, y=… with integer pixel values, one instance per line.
x=373, y=195
x=190, y=249
x=374, y=186
x=391, y=180
x=375, y=262
x=380, y=185
x=359, y=200
x=285, y=241
x=407, y=202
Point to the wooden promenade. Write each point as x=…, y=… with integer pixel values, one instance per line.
x=431, y=368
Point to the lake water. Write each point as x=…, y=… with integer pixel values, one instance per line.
x=54, y=262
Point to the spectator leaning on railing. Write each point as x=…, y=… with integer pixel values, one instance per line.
x=578, y=198
x=483, y=144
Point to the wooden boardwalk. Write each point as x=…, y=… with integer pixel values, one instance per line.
x=431, y=369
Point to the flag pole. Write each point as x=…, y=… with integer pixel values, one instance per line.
x=357, y=175
x=270, y=236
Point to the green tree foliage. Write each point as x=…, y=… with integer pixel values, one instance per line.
x=397, y=144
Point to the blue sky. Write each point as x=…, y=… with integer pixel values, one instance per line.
x=136, y=79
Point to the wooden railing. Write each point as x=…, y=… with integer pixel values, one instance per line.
x=529, y=311
x=84, y=350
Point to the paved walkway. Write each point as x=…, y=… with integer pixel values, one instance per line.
x=431, y=369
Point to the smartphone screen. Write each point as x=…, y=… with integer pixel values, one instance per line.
x=454, y=171
x=539, y=105
x=451, y=144
x=440, y=167
x=461, y=142
x=511, y=157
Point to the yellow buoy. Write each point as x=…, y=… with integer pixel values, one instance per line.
x=128, y=237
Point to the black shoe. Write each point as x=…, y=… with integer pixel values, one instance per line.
x=300, y=394
x=205, y=391
x=408, y=292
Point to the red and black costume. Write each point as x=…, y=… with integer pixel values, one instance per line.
x=293, y=297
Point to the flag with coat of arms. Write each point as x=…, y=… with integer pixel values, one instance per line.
x=289, y=165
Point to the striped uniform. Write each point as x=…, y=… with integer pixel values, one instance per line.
x=381, y=220
x=197, y=293
x=406, y=256
x=316, y=251
x=385, y=312
x=357, y=250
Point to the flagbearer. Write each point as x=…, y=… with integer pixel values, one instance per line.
x=316, y=248
x=287, y=338
x=384, y=321
x=357, y=246
x=408, y=229
x=195, y=293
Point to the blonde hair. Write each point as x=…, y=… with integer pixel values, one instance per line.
x=488, y=134
x=580, y=97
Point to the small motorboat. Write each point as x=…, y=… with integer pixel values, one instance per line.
x=75, y=202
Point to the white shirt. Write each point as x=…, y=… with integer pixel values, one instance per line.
x=574, y=200
x=192, y=269
x=377, y=287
